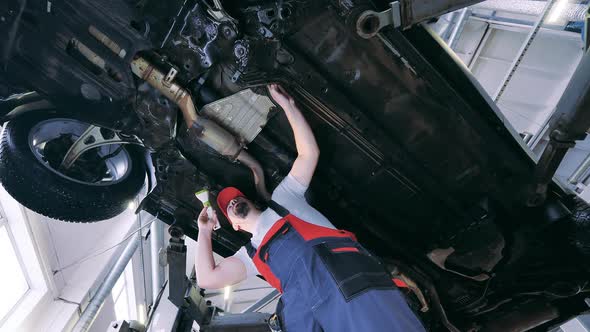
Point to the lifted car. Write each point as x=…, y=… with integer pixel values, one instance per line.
x=416, y=159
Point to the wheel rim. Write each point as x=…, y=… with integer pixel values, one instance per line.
x=112, y=170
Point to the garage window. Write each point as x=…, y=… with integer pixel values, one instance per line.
x=13, y=281
x=124, y=295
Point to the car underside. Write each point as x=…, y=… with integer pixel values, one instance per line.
x=415, y=158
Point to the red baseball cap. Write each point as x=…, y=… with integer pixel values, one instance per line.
x=225, y=196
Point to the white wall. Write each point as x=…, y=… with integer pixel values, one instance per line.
x=105, y=316
x=242, y=295
x=74, y=261
x=540, y=79
x=74, y=257
x=538, y=83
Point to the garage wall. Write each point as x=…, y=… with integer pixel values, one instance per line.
x=540, y=79
x=66, y=244
x=75, y=259
x=489, y=48
x=240, y=296
x=105, y=317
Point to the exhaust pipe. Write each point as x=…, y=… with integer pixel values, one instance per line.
x=247, y=159
x=206, y=130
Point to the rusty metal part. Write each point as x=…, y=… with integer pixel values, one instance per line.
x=206, y=130
x=216, y=137
x=370, y=22
x=106, y=41
x=416, y=290
x=89, y=54
x=156, y=78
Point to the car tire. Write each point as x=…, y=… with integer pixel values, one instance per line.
x=42, y=190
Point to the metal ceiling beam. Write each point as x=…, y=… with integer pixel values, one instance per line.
x=523, y=49
x=505, y=24
x=579, y=171
x=273, y=295
x=416, y=11
x=458, y=29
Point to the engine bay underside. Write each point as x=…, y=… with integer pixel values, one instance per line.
x=414, y=158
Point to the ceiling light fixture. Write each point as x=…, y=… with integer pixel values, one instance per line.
x=226, y=292
x=557, y=11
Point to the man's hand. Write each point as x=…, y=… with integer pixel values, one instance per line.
x=207, y=224
x=281, y=96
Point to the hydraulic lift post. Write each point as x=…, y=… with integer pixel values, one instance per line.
x=189, y=298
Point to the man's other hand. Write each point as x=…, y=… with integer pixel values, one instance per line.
x=280, y=96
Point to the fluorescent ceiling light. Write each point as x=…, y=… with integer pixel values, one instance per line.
x=557, y=11
x=226, y=292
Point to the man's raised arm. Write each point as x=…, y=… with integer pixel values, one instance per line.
x=209, y=276
x=308, y=151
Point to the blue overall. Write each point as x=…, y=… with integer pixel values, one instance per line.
x=329, y=282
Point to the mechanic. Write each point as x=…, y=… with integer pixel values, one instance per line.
x=328, y=281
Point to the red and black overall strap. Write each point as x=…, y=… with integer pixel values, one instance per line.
x=250, y=249
x=281, y=211
x=278, y=208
